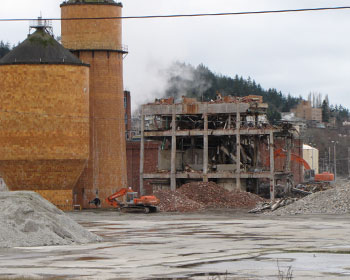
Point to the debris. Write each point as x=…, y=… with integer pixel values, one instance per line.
x=299, y=191
x=174, y=201
x=332, y=201
x=26, y=220
x=273, y=205
x=197, y=196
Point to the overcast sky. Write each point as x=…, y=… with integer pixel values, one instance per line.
x=296, y=53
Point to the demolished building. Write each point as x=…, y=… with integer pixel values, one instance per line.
x=228, y=141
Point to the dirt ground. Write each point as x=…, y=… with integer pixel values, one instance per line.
x=217, y=244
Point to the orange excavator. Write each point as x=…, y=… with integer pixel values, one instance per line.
x=309, y=174
x=126, y=200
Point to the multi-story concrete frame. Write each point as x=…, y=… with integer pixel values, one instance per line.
x=98, y=42
x=215, y=120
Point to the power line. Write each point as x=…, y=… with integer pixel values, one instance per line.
x=190, y=15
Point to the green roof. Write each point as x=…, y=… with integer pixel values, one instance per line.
x=40, y=48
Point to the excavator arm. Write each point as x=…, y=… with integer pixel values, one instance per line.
x=282, y=154
x=112, y=199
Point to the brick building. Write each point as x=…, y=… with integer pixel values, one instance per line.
x=305, y=111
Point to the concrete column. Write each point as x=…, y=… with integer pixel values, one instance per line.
x=272, y=168
x=238, y=143
x=205, y=148
x=173, y=151
x=289, y=155
x=256, y=151
x=142, y=151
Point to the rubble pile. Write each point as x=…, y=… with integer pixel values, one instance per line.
x=27, y=220
x=174, y=201
x=197, y=196
x=332, y=201
x=215, y=196
x=314, y=187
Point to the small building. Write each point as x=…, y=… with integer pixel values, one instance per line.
x=305, y=111
x=311, y=156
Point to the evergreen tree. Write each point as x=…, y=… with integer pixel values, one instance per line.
x=4, y=48
x=325, y=111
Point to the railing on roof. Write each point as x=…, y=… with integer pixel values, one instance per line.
x=95, y=45
x=41, y=23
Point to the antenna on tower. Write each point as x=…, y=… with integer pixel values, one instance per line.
x=41, y=23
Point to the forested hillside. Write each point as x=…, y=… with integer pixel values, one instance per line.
x=202, y=83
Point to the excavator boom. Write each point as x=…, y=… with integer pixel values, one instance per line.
x=282, y=154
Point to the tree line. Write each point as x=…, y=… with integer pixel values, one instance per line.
x=200, y=82
x=4, y=48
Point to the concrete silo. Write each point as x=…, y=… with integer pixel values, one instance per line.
x=98, y=42
x=44, y=115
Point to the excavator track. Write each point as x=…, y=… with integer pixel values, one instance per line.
x=138, y=209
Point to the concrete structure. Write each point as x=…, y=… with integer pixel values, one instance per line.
x=99, y=43
x=211, y=141
x=305, y=111
x=127, y=116
x=311, y=156
x=298, y=123
x=44, y=131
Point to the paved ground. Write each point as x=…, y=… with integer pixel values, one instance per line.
x=193, y=246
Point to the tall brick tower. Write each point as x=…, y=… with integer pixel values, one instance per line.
x=99, y=43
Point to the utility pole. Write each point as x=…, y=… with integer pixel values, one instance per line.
x=329, y=159
x=335, y=161
x=349, y=162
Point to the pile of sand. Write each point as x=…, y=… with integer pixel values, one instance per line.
x=27, y=220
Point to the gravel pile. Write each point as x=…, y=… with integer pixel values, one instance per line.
x=27, y=220
x=198, y=196
x=332, y=201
